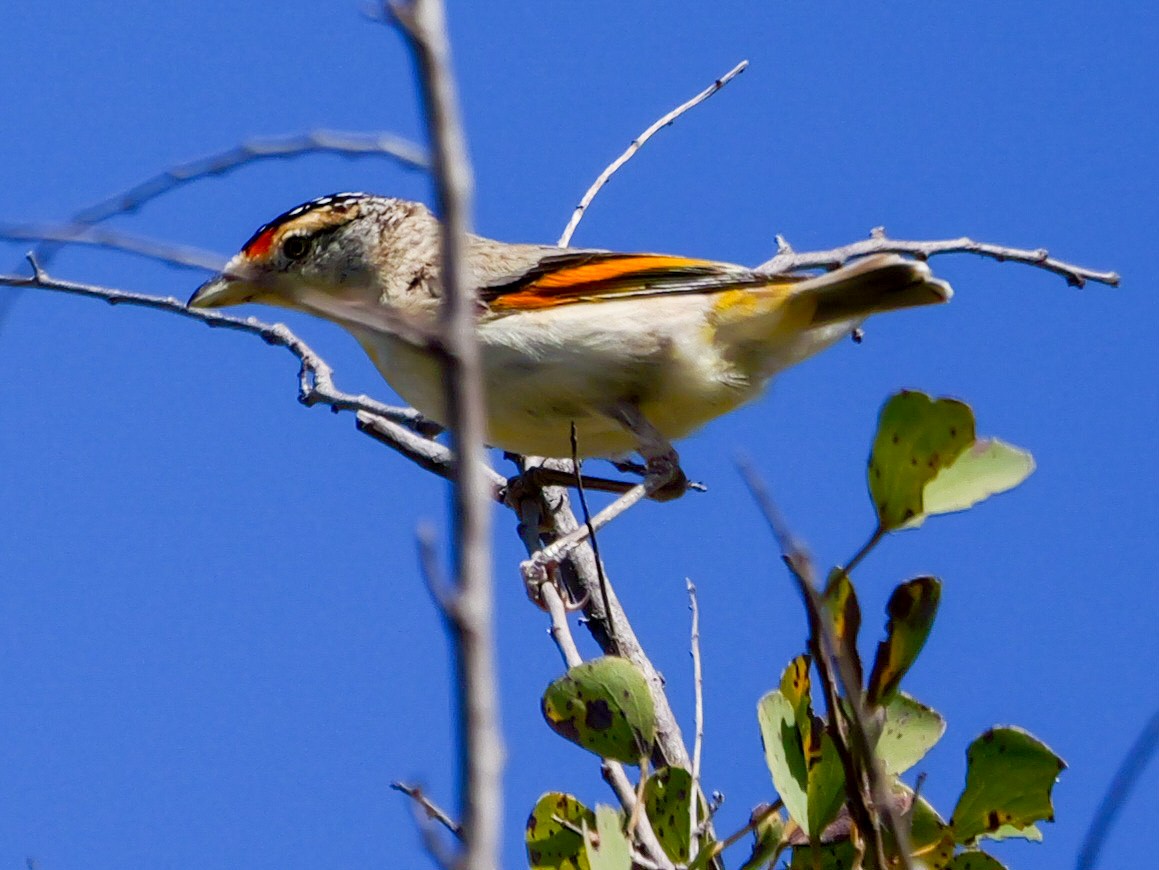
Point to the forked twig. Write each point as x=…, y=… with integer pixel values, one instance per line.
x=787, y=259
x=637, y=143
x=315, y=377
x=339, y=142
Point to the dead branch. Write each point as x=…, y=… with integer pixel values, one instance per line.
x=432, y=810
x=315, y=377
x=182, y=256
x=788, y=260
x=637, y=143
x=470, y=615
x=698, y=737
x=1126, y=777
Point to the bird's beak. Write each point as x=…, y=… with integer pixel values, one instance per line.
x=222, y=291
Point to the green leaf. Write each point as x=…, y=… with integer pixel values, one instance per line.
x=986, y=468
x=1009, y=777
x=783, y=753
x=916, y=438
x=911, y=729
x=804, y=764
x=768, y=839
x=975, y=861
x=911, y=611
x=667, y=799
x=834, y=856
x=604, y=706
x=609, y=848
x=552, y=838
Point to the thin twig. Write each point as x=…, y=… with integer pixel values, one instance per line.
x=789, y=260
x=316, y=378
x=182, y=256
x=480, y=743
x=755, y=821
x=595, y=544
x=854, y=748
x=873, y=541
x=432, y=810
x=440, y=591
x=1122, y=784
x=698, y=737
x=338, y=142
x=561, y=521
x=613, y=167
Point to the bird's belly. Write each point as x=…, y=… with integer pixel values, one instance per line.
x=545, y=370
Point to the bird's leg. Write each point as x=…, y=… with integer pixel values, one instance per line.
x=663, y=480
x=660, y=457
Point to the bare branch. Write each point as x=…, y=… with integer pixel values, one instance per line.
x=637, y=143
x=1123, y=782
x=340, y=142
x=788, y=260
x=583, y=578
x=698, y=738
x=432, y=810
x=316, y=378
x=182, y=256
x=337, y=142
x=479, y=738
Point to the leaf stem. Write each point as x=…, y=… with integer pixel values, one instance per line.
x=873, y=541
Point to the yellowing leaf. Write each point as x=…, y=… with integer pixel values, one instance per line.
x=911, y=729
x=988, y=467
x=911, y=609
x=553, y=835
x=840, y=600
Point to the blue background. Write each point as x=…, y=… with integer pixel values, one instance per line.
x=215, y=647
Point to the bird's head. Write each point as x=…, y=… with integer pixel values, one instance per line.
x=329, y=256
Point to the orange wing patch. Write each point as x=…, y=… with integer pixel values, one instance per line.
x=604, y=277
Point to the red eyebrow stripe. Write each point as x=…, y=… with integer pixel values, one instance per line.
x=261, y=243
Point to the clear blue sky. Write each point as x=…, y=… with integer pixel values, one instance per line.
x=215, y=647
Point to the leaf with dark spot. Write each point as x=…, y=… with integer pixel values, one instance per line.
x=551, y=835
x=605, y=706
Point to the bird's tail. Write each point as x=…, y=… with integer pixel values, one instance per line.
x=883, y=282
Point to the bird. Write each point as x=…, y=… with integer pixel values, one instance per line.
x=584, y=351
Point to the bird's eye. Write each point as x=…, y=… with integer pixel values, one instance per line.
x=295, y=247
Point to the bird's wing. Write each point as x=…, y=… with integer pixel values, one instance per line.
x=560, y=277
